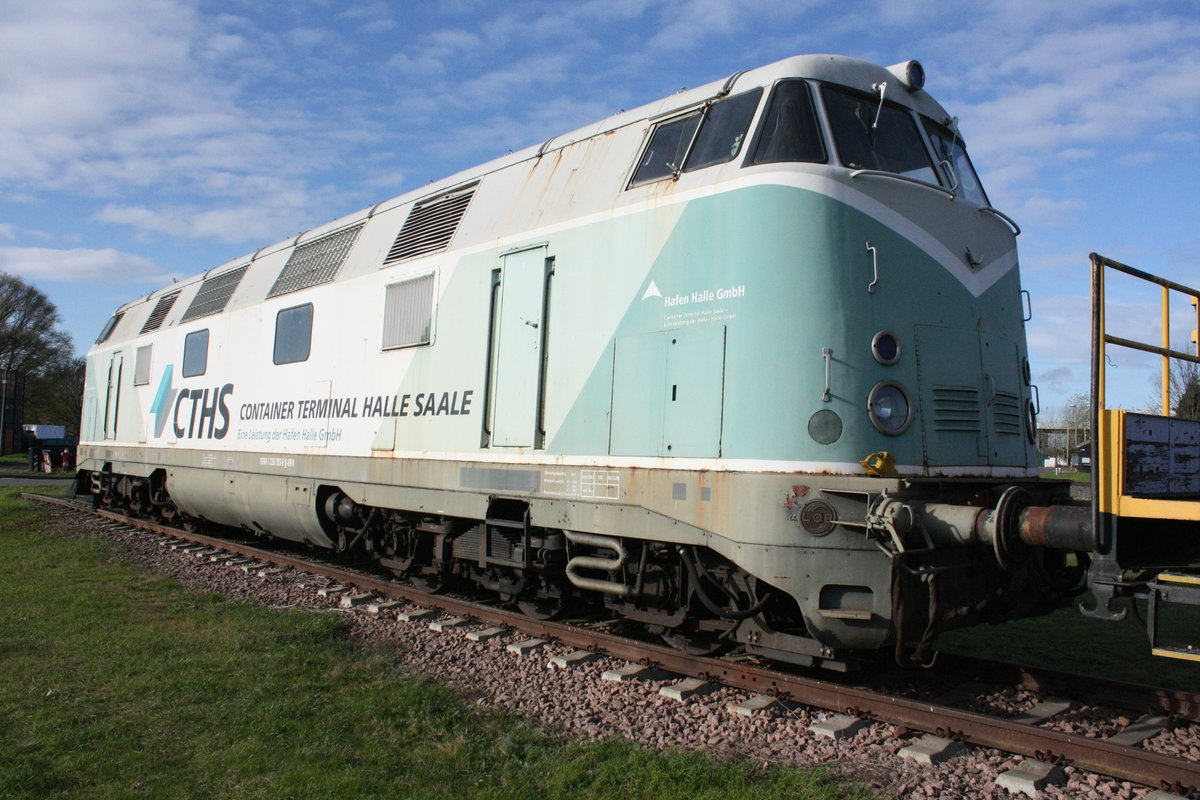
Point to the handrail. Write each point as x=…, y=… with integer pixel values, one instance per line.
x=878, y=173
x=997, y=212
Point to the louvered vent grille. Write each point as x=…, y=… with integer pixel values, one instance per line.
x=408, y=312
x=956, y=408
x=1006, y=413
x=430, y=226
x=161, y=309
x=214, y=294
x=141, y=369
x=315, y=262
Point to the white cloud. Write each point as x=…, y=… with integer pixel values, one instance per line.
x=379, y=26
x=1046, y=90
x=79, y=266
x=367, y=13
x=75, y=71
x=309, y=37
x=1039, y=259
x=7, y=231
x=1049, y=212
x=691, y=24
x=251, y=222
x=416, y=65
x=448, y=43
x=1077, y=154
x=430, y=54
x=104, y=97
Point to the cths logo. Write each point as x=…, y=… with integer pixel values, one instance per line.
x=192, y=413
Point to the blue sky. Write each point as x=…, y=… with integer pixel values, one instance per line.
x=142, y=140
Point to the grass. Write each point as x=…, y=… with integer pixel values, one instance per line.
x=33, y=478
x=1078, y=477
x=16, y=465
x=117, y=684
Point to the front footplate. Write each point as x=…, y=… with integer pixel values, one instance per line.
x=1176, y=589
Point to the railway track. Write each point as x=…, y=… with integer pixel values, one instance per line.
x=1119, y=756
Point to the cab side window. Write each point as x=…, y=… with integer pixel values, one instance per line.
x=724, y=130
x=710, y=135
x=664, y=155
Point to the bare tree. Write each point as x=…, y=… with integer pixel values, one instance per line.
x=54, y=394
x=32, y=343
x=1077, y=416
x=1183, y=385
x=29, y=332
x=1185, y=389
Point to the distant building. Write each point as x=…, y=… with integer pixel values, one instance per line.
x=1081, y=457
x=12, y=411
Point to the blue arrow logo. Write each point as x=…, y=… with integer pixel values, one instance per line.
x=164, y=401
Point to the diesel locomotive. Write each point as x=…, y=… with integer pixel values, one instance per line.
x=746, y=365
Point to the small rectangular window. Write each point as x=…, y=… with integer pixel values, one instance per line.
x=724, y=129
x=789, y=130
x=408, y=312
x=109, y=327
x=293, y=334
x=195, y=353
x=668, y=145
x=141, y=366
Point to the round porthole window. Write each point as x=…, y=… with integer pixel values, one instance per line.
x=889, y=408
x=886, y=348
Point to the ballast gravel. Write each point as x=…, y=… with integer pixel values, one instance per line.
x=577, y=702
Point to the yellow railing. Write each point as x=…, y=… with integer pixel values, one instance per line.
x=1109, y=437
x=1101, y=337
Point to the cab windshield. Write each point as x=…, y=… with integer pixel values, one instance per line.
x=872, y=137
x=952, y=156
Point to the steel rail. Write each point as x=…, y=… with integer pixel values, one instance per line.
x=1134, y=697
x=1096, y=755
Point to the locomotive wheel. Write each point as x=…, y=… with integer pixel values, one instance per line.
x=432, y=584
x=542, y=607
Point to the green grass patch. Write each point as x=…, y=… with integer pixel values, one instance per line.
x=119, y=684
x=1078, y=477
x=11, y=492
x=34, y=478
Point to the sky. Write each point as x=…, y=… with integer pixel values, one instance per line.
x=146, y=140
